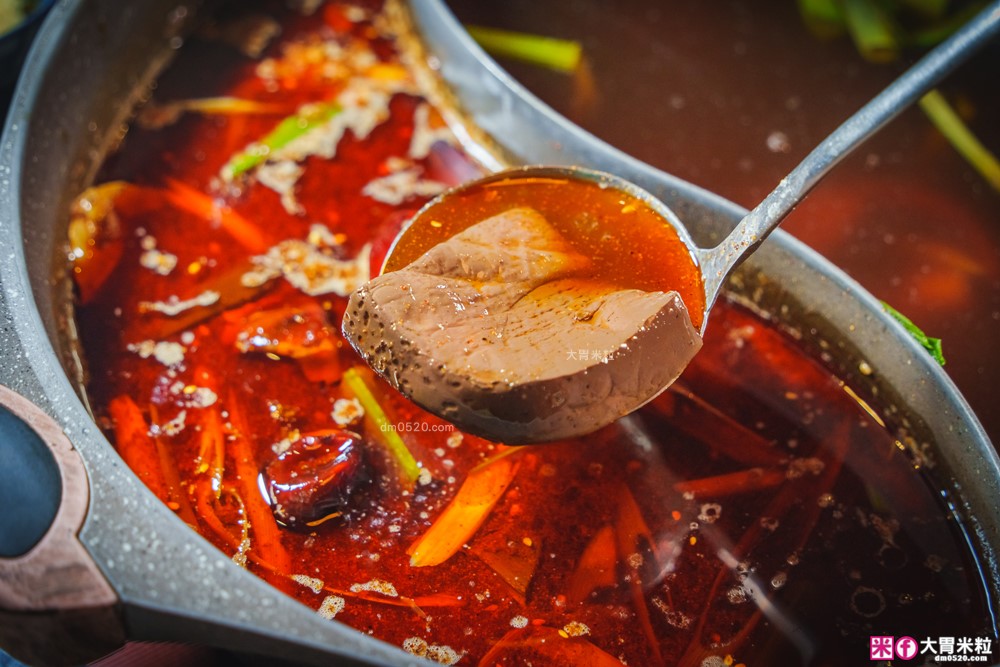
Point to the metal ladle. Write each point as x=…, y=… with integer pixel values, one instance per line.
x=538, y=420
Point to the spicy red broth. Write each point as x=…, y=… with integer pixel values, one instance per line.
x=755, y=513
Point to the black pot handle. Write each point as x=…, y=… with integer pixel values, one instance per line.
x=56, y=608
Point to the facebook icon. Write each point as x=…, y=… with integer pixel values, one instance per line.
x=906, y=648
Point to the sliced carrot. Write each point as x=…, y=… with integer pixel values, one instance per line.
x=240, y=547
x=199, y=204
x=178, y=500
x=439, y=600
x=467, y=511
x=631, y=530
x=731, y=484
x=784, y=502
x=205, y=497
x=136, y=446
x=689, y=413
x=434, y=600
x=596, y=567
x=212, y=455
x=264, y=529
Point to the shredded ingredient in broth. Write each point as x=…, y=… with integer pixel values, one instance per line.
x=175, y=305
x=219, y=372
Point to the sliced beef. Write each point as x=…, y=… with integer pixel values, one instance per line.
x=500, y=331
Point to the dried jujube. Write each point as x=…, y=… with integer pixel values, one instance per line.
x=313, y=480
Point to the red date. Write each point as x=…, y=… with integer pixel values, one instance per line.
x=314, y=479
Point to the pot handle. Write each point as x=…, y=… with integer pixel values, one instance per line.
x=56, y=607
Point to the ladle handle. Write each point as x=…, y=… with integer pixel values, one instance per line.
x=718, y=262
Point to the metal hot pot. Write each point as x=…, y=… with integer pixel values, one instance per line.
x=89, y=557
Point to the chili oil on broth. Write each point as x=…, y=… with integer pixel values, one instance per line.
x=599, y=550
x=630, y=245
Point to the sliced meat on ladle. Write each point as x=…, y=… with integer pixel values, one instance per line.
x=499, y=331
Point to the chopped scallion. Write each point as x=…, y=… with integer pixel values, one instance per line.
x=385, y=431
x=872, y=30
x=881, y=29
x=289, y=129
x=931, y=10
x=824, y=18
x=941, y=30
x=559, y=54
x=961, y=137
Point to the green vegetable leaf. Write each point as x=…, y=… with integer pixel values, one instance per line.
x=291, y=128
x=932, y=345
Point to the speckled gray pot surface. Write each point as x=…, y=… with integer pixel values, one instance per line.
x=91, y=60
